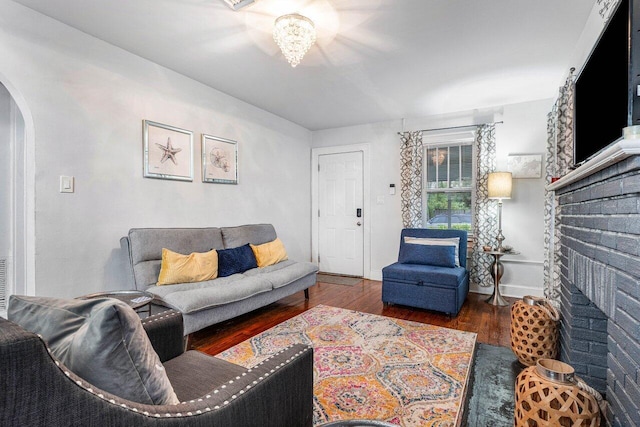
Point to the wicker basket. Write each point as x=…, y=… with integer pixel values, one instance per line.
x=534, y=330
x=549, y=394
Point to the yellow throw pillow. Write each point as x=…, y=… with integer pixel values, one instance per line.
x=195, y=267
x=269, y=253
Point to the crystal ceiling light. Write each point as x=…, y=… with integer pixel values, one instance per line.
x=294, y=34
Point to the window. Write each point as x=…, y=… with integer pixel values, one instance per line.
x=449, y=183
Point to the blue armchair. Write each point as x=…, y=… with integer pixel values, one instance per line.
x=431, y=271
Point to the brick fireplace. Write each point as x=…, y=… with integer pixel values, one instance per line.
x=599, y=214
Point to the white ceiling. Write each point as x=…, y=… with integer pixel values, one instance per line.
x=375, y=60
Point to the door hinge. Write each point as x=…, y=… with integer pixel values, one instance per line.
x=318, y=258
x=318, y=213
x=318, y=167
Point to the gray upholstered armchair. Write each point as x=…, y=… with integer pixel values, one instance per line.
x=37, y=390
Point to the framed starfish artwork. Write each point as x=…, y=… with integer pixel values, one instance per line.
x=219, y=160
x=168, y=152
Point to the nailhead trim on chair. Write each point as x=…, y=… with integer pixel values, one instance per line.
x=163, y=315
x=78, y=381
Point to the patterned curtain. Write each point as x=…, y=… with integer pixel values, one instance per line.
x=411, y=153
x=485, y=220
x=558, y=163
x=606, y=6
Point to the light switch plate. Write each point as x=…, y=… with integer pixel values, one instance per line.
x=66, y=184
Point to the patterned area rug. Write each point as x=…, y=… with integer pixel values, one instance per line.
x=373, y=367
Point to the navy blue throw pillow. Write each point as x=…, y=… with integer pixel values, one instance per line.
x=236, y=260
x=437, y=255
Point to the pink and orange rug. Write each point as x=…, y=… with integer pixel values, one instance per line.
x=373, y=367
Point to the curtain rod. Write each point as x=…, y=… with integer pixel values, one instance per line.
x=457, y=127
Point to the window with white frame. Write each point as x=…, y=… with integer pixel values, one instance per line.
x=449, y=180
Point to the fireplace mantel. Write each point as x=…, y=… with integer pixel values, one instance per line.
x=611, y=155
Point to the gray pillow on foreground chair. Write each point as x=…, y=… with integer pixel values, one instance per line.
x=101, y=340
x=39, y=388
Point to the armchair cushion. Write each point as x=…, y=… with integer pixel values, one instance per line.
x=101, y=340
x=194, y=374
x=435, y=255
x=433, y=236
x=439, y=241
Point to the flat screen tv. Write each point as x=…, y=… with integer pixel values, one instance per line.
x=603, y=95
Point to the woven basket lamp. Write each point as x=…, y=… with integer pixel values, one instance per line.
x=534, y=330
x=549, y=394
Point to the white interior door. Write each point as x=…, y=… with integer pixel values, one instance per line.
x=340, y=213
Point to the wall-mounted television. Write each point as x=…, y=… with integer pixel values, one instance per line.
x=604, y=88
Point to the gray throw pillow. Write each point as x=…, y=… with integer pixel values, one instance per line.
x=102, y=341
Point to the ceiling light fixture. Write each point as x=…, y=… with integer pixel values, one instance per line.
x=294, y=34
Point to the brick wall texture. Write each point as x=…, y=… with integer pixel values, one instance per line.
x=600, y=285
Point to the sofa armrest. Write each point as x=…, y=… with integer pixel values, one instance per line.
x=165, y=331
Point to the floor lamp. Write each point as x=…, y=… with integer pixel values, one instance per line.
x=499, y=187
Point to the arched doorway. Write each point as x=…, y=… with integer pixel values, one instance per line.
x=16, y=198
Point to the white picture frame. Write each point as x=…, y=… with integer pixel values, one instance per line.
x=525, y=165
x=168, y=152
x=219, y=160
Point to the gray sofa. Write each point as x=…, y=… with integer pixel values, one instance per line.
x=206, y=303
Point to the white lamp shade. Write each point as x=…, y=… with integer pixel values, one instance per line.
x=499, y=185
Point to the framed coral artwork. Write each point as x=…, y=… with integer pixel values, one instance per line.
x=219, y=160
x=168, y=151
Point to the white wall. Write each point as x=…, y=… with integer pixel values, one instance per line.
x=523, y=131
x=88, y=99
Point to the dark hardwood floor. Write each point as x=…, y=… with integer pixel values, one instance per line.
x=489, y=322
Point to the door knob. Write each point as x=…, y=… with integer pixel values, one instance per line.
x=358, y=223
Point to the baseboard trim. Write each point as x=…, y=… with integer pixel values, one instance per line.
x=508, y=290
x=375, y=275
